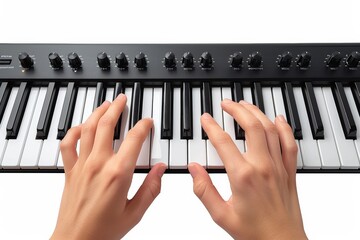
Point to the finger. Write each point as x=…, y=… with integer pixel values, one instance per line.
x=271, y=133
x=68, y=147
x=223, y=143
x=288, y=147
x=207, y=193
x=147, y=193
x=88, y=130
x=131, y=146
x=254, y=130
x=106, y=126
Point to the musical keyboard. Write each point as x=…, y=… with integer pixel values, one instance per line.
x=45, y=89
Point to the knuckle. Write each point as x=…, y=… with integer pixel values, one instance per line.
x=222, y=139
x=106, y=121
x=254, y=125
x=292, y=148
x=245, y=176
x=200, y=189
x=91, y=168
x=88, y=128
x=154, y=188
x=271, y=129
x=64, y=145
x=218, y=217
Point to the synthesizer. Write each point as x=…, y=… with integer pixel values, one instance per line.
x=45, y=89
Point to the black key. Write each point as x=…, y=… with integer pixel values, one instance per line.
x=356, y=94
x=118, y=89
x=206, y=102
x=186, y=112
x=312, y=108
x=136, y=105
x=237, y=97
x=17, y=112
x=47, y=111
x=343, y=108
x=258, y=97
x=291, y=110
x=99, y=95
x=167, y=112
x=67, y=110
x=4, y=97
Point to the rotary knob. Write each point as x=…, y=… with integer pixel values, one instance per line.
x=74, y=60
x=55, y=60
x=353, y=60
x=187, y=60
x=169, y=60
x=103, y=60
x=140, y=61
x=236, y=60
x=206, y=60
x=25, y=60
x=121, y=61
x=334, y=60
x=304, y=60
x=255, y=60
x=285, y=60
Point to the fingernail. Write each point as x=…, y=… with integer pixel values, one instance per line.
x=244, y=102
x=121, y=95
x=192, y=169
x=206, y=116
x=281, y=118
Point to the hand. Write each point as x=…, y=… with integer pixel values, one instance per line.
x=264, y=202
x=94, y=204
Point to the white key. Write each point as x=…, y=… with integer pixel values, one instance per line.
x=213, y=159
x=50, y=150
x=197, y=145
x=15, y=147
x=248, y=98
x=4, y=121
x=109, y=95
x=356, y=116
x=125, y=116
x=346, y=147
x=31, y=153
x=77, y=117
x=229, y=125
x=327, y=147
x=280, y=110
x=178, y=146
x=268, y=103
x=309, y=149
x=143, y=160
x=159, y=147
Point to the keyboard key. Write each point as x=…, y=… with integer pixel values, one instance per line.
x=316, y=124
x=30, y=156
x=67, y=110
x=4, y=97
x=186, y=112
x=99, y=95
x=206, y=102
x=327, y=147
x=237, y=97
x=118, y=89
x=167, y=112
x=258, y=97
x=178, y=146
x=15, y=147
x=356, y=94
x=197, y=145
x=268, y=103
x=308, y=146
x=248, y=98
x=50, y=150
x=346, y=147
x=125, y=119
x=136, y=105
x=18, y=110
x=159, y=147
x=343, y=108
x=292, y=110
x=47, y=111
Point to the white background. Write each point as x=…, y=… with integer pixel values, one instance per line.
x=29, y=202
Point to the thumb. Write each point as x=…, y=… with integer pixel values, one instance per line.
x=207, y=193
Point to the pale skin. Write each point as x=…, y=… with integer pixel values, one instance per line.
x=264, y=202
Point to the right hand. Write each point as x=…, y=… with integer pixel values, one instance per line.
x=264, y=202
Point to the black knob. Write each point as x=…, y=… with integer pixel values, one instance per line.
x=55, y=60
x=25, y=60
x=304, y=60
x=236, y=60
x=169, y=60
x=74, y=60
x=121, y=60
x=255, y=60
x=353, y=60
x=334, y=60
x=285, y=60
x=140, y=61
x=187, y=60
x=206, y=60
x=103, y=60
